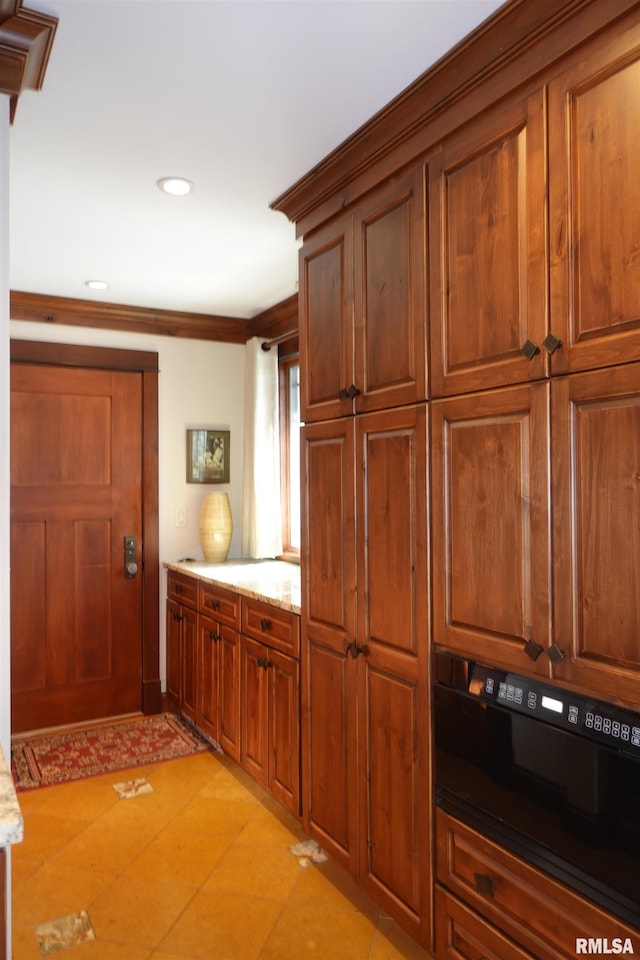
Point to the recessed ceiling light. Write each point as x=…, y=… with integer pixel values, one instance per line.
x=97, y=284
x=176, y=186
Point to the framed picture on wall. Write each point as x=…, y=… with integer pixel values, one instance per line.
x=208, y=456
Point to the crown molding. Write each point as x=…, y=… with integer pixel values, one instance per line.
x=26, y=39
x=116, y=316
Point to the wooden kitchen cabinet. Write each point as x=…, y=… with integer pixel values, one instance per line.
x=182, y=643
x=271, y=721
x=536, y=913
x=487, y=218
x=219, y=666
x=594, y=155
x=524, y=467
x=491, y=540
x=362, y=315
x=271, y=699
x=365, y=691
x=596, y=521
x=461, y=934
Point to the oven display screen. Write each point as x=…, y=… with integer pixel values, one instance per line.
x=552, y=704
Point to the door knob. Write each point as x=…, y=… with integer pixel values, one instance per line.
x=130, y=565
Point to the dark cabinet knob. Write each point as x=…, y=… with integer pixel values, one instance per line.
x=349, y=393
x=529, y=349
x=551, y=343
x=556, y=654
x=532, y=649
x=484, y=885
x=265, y=624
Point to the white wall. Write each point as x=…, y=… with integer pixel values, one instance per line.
x=201, y=384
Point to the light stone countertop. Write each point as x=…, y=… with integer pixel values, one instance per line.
x=11, y=822
x=272, y=581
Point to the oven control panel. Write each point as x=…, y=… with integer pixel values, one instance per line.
x=594, y=719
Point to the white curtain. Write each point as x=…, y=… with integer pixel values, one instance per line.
x=261, y=510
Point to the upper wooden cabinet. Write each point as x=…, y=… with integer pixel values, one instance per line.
x=596, y=521
x=487, y=222
x=362, y=313
x=594, y=195
x=491, y=544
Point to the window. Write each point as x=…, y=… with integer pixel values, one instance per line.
x=289, y=383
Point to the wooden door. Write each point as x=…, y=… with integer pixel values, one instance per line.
x=392, y=657
x=491, y=538
x=229, y=691
x=284, y=730
x=594, y=194
x=596, y=510
x=488, y=251
x=389, y=292
x=326, y=322
x=76, y=493
x=328, y=627
x=255, y=729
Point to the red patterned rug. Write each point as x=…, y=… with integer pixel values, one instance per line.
x=45, y=761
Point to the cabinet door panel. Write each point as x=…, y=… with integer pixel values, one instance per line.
x=174, y=652
x=594, y=167
x=189, y=700
x=209, y=704
x=229, y=691
x=596, y=466
x=254, y=709
x=326, y=322
x=392, y=671
x=488, y=260
x=284, y=726
x=328, y=626
x=491, y=560
x=390, y=315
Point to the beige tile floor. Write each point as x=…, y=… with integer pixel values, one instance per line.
x=199, y=869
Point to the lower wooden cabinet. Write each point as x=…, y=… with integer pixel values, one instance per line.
x=233, y=669
x=463, y=935
x=219, y=713
x=492, y=904
x=270, y=721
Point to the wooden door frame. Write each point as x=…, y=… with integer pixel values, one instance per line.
x=145, y=363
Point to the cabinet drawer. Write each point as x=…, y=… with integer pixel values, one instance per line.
x=462, y=935
x=530, y=907
x=277, y=628
x=223, y=605
x=182, y=588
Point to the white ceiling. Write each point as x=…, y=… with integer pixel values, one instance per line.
x=241, y=97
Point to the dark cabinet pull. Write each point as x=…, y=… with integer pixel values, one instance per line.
x=177, y=616
x=264, y=664
x=551, y=343
x=265, y=624
x=215, y=604
x=529, y=349
x=214, y=636
x=533, y=649
x=355, y=650
x=178, y=588
x=349, y=393
x=555, y=654
x=484, y=885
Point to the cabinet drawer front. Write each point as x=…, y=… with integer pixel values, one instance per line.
x=277, y=628
x=182, y=588
x=223, y=605
x=461, y=933
x=537, y=911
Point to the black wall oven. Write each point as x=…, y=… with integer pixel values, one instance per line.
x=550, y=775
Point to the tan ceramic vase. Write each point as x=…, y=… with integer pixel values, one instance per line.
x=216, y=527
